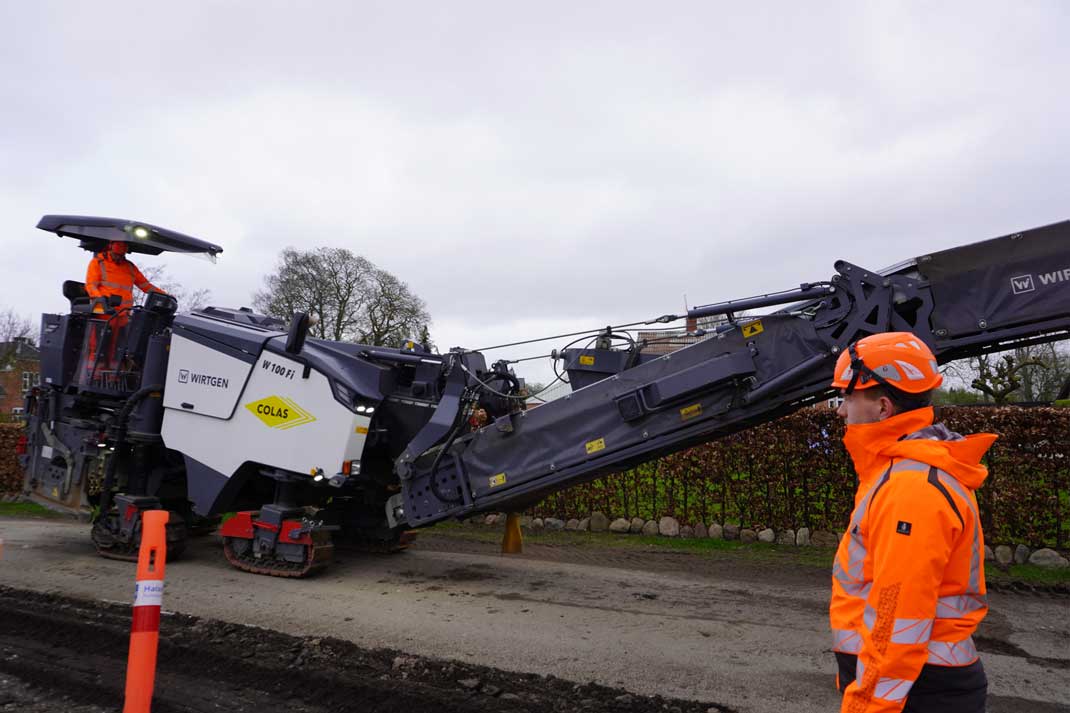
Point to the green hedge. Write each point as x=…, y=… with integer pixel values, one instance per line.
x=795, y=472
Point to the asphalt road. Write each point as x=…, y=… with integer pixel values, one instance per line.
x=750, y=638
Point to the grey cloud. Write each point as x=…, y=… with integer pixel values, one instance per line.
x=533, y=166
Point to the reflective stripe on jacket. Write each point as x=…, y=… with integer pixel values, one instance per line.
x=908, y=586
x=106, y=277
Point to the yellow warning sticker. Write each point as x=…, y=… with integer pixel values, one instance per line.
x=279, y=412
x=586, y=360
x=595, y=446
x=362, y=430
x=496, y=480
x=689, y=412
x=753, y=329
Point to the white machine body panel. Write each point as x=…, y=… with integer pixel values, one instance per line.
x=282, y=420
x=202, y=380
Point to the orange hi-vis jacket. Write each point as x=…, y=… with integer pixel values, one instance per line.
x=106, y=277
x=908, y=585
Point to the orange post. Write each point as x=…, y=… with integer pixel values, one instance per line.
x=148, y=596
x=513, y=540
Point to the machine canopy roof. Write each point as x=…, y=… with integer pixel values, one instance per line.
x=95, y=233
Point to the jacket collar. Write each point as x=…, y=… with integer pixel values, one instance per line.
x=866, y=442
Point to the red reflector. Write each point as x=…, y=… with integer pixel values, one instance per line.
x=21, y=445
x=347, y=467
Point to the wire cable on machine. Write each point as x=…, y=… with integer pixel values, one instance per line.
x=662, y=320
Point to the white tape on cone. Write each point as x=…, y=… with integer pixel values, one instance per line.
x=148, y=593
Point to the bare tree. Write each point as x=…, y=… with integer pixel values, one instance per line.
x=187, y=299
x=13, y=327
x=1000, y=377
x=1033, y=373
x=349, y=297
x=1044, y=381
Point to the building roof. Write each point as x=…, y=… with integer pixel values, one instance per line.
x=19, y=348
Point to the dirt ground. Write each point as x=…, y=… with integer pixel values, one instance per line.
x=569, y=625
x=73, y=651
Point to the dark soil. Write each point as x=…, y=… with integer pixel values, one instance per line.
x=64, y=654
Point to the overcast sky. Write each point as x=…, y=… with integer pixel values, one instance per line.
x=529, y=168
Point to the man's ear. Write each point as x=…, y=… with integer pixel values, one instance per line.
x=887, y=408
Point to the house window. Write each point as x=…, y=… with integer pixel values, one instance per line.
x=30, y=379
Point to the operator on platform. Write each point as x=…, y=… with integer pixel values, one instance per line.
x=110, y=273
x=908, y=586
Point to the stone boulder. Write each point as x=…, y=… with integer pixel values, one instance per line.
x=572, y=525
x=1021, y=554
x=687, y=532
x=748, y=535
x=716, y=532
x=731, y=532
x=767, y=535
x=599, y=522
x=786, y=537
x=802, y=537
x=990, y=556
x=538, y=523
x=620, y=526
x=651, y=527
x=585, y=524
x=1048, y=558
x=491, y=520
x=700, y=530
x=1004, y=555
x=668, y=527
x=636, y=525
x=552, y=523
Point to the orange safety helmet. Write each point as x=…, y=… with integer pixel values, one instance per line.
x=896, y=360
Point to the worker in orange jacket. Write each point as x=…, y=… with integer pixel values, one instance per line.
x=110, y=273
x=908, y=586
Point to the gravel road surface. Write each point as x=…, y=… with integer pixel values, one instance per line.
x=747, y=636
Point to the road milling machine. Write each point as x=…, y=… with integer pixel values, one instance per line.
x=310, y=444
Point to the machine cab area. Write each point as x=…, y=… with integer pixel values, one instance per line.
x=102, y=348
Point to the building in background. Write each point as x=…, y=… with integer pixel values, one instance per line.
x=20, y=371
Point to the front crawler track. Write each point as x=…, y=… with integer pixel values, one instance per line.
x=239, y=552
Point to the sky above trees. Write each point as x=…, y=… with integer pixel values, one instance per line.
x=532, y=169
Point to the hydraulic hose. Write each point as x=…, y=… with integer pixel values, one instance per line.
x=118, y=432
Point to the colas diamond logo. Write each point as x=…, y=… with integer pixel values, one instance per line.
x=279, y=412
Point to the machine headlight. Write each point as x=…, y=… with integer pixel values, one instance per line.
x=349, y=398
x=141, y=232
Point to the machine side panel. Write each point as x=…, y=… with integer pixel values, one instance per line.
x=996, y=284
x=282, y=420
x=203, y=380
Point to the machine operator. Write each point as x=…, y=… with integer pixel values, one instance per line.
x=110, y=273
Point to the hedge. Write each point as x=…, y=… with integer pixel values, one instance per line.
x=795, y=472
x=10, y=472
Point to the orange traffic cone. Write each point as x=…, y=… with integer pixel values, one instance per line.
x=513, y=539
x=148, y=596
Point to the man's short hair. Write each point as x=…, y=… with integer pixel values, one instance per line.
x=900, y=399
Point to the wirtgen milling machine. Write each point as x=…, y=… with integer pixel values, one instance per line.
x=316, y=443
